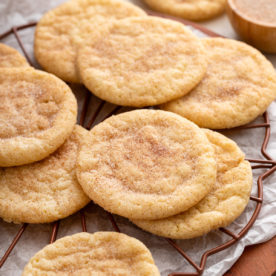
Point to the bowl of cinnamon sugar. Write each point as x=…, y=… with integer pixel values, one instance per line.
x=255, y=22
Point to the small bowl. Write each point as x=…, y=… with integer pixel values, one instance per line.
x=261, y=35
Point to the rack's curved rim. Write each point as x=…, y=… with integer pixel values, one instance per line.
x=267, y=163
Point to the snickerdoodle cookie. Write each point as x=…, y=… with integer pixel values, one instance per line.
x=9, y=57
x=221, y=206
x=55, y=47
x=146, y=164
x=101, y=253
x=37, y=113
x=46, y=190
x=189, y=9
x=141, y=61
x=239, y=85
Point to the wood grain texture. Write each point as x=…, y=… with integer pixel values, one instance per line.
x=257, y=260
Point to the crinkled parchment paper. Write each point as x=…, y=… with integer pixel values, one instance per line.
x=14, y=12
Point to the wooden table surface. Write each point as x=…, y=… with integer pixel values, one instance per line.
x=257, y=260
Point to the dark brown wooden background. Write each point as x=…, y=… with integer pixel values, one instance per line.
x=257, y=260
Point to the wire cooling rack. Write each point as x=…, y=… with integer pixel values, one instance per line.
x=267, y=163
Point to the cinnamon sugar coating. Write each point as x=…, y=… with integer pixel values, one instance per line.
x=141, y=61
x=189, y=9
x=37, y=113
x=60, y=30
x=101, y=253
x=46, y=190
x=224, y=203
x=146, y=164
x=239, y=85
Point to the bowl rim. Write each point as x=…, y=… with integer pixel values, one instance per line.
x=234, y=8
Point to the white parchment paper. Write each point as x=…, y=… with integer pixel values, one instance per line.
x=14, y=12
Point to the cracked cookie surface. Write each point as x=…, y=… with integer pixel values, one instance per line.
x=239, y=85
x=37, y=114
x=46, y=190
x=101, y=253
x=141, y=61
x=60, y=30
x=146, y=164
x=225, y=202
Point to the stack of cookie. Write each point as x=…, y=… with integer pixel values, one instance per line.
x=145, y=165
x=153, y=167
x=127, y=58
x=39, y=143
x=238, y=86
x=39, y=140
x=157, y=168
x=61, y=30
x=164, y=173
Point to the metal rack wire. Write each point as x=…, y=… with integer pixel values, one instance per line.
x=267, y=163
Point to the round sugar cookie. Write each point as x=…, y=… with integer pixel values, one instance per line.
x=239, y=85
x=146, y=164
x=9, y=57
x=37, y=113
x=101, y=253
x=141, y=61
x=221, y=206
x=55, y=47
x=46, y=190
x=189, y=9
